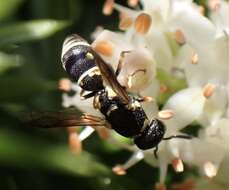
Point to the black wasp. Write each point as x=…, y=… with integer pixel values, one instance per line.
x=122, y=112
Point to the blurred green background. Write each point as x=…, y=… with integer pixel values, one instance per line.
x=31, y=36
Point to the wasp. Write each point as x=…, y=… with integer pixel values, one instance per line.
x=122, y=112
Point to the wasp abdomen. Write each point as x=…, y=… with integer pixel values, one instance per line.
x=79, y=63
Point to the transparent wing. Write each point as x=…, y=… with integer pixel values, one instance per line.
x=63, y=119
x=110, y=78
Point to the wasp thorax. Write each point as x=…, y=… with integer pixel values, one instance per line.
x=79, y=62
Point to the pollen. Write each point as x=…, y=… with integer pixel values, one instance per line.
x=195, y=58
x=142, y=23
x=160, y=186
x=65, y=84
x=105, y=48
x=178, y=165
x=125, y=22
x=179, y=37
x=165, y=114
x=210, y=169
x=108, y=7
x=119, y=170
x=133, y=3
x=208, y=90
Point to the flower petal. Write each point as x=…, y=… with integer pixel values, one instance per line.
x=187, y=105
x=197, y=29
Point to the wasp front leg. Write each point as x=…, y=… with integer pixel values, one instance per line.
x=84, y=96
x=144, y=98
x=121, y=62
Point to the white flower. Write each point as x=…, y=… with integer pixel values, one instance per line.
x=173, y=36
x=219, y=12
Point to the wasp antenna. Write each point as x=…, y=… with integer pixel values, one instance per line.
x=178, y=136
x=155, y=152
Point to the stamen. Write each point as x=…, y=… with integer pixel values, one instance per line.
x=133, y=3
x=208, y=90
x=195, y=58
x=143, y=23
x=163, y=88
x=210, y=169
x=108, y=7
x=178, y=165
x=103, y=132
x=65, y=84
x=75, y=142
x=106, y=48
x=125, y=22
x=165, y=114
x=119, y=170
x=98, y=30
x=179, y=37
x=160, y=186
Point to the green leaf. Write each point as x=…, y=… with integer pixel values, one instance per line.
x=8, y=7
x=8, y=62
x=22, y=88
x=24, y=151
x=30, y=30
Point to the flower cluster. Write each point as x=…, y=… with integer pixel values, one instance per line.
x=175, y=38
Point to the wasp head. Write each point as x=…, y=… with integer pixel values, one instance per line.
x=151, y=135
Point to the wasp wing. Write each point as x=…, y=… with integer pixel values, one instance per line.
x=110, y=78
x=63, y=119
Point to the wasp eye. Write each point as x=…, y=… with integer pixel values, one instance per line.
x=89, y=56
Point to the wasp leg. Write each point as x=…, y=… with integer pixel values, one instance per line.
x=155, y=152
x=178, y=136
x=144, y=99
x=86, y=96
x=74, y=141
x=121, y=62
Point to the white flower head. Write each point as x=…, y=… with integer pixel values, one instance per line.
x=173, y=36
